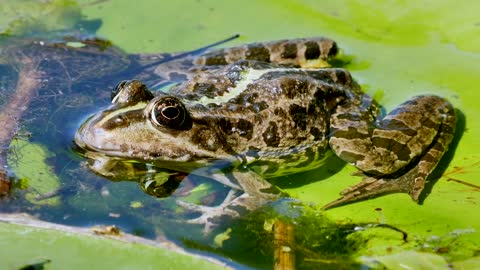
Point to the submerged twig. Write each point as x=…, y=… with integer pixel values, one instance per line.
x=27, y=84
x=284, y=243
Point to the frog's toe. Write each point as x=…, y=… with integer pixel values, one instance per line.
x=209, y=215
x=371, y=187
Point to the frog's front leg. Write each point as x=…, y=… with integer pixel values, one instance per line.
x=254, y=192
x=398, y=152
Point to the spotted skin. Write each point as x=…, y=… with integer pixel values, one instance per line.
x=291, y=52
x=420, y=130
x=269, y=109
x=297, y=53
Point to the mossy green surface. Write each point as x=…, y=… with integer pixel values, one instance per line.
x=24, y=245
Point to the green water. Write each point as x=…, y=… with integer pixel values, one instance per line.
x=399, y=49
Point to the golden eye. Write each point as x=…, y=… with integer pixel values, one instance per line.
x=170, y=112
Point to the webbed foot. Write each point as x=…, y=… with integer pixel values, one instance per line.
x=209, y=214
x=371, y=187
x=424, y=124
x=255, y=192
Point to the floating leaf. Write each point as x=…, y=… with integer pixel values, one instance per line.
x=64, y=247
x=408, y=260
x=28, y=162
x=473, y=263
x=29, y=16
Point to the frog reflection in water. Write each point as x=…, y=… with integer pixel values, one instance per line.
x=269, y=109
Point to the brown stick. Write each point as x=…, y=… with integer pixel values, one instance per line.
x=4, y=184
x=464, y=183
x=27, y=84
x=284, y=242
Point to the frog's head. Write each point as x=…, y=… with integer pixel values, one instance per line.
x=139, y=126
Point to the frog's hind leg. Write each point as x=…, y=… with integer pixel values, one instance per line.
x=400, y=152
x=303, y=52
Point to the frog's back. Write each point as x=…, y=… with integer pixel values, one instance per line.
x=271, y=115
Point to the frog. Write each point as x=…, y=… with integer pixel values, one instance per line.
x=249, y=113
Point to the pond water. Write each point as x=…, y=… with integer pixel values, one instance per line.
x=394, y=51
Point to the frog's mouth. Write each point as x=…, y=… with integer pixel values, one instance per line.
x=91, y=138
x=97, y=152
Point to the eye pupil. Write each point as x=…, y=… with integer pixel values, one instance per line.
x=170, y=112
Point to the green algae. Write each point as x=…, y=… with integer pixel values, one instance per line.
x=28, y=162
x=318, y=242
x=57, y=249
x=28, y=16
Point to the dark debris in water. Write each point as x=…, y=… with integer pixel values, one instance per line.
x=4, y=184
x=318, y=242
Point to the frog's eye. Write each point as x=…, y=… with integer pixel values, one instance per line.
x=130, y=92
x=170, y=112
